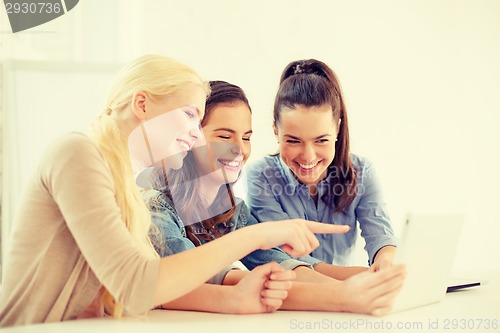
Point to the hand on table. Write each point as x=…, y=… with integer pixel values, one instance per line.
x=263, y=289
x=373, y=292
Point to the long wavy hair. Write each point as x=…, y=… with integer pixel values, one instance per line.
x=158, y=77
x=312, y=83
x=183, y=184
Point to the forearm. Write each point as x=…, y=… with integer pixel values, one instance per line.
x=367, y=292
x=313, y=297
x=202, y=299
x=308, y=290
x=338, y=272
x=181, y=273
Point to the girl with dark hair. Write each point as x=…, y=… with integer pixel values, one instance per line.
x=314, y=175
x=196, y=205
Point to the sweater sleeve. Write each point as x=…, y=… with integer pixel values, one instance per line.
x=77, y=177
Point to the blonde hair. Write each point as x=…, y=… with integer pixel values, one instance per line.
x=157, y=76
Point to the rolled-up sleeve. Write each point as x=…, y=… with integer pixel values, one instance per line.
x=310, y=260
x=219, y=277
x=371, y=212
x=294, y=263
x=261, y=257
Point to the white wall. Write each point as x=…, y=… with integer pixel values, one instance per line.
x=420, y=79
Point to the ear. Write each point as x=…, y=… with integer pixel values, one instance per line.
x=338, y=126
x=275, y=130
x=139, y=104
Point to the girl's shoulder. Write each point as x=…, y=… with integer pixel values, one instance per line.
x=72, y=143
x=363, y=166
x=74, y=149
x=359, y=162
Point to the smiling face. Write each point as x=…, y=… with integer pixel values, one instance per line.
x=227, y=130
x=170, y=128
x=306, y=138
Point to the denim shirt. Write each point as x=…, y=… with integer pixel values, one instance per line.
x=275, y=194
x=175, y=240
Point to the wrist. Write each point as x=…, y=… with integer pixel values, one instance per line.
x=248, y=239
x=231, y=302
x=235, y=301
x=339, y=302
x=385, y=253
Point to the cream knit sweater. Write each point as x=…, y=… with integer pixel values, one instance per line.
x=68, y=240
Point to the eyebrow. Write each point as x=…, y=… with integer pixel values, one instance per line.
x=231, y=130
x=297, y=138
x=199, y=113
x=192, y=106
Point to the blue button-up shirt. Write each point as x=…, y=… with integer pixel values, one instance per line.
x=274, y=193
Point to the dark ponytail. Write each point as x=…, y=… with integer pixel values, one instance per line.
x=312, y=83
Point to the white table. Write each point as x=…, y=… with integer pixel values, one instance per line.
x=471, y=310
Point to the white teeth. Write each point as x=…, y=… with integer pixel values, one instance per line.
x=230, y=163
x=184, y=145
x=308, y=166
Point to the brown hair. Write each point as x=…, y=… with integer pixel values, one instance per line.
x=312, y=83
x=184, y=183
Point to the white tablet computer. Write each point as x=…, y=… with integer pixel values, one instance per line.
x=427, y=246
